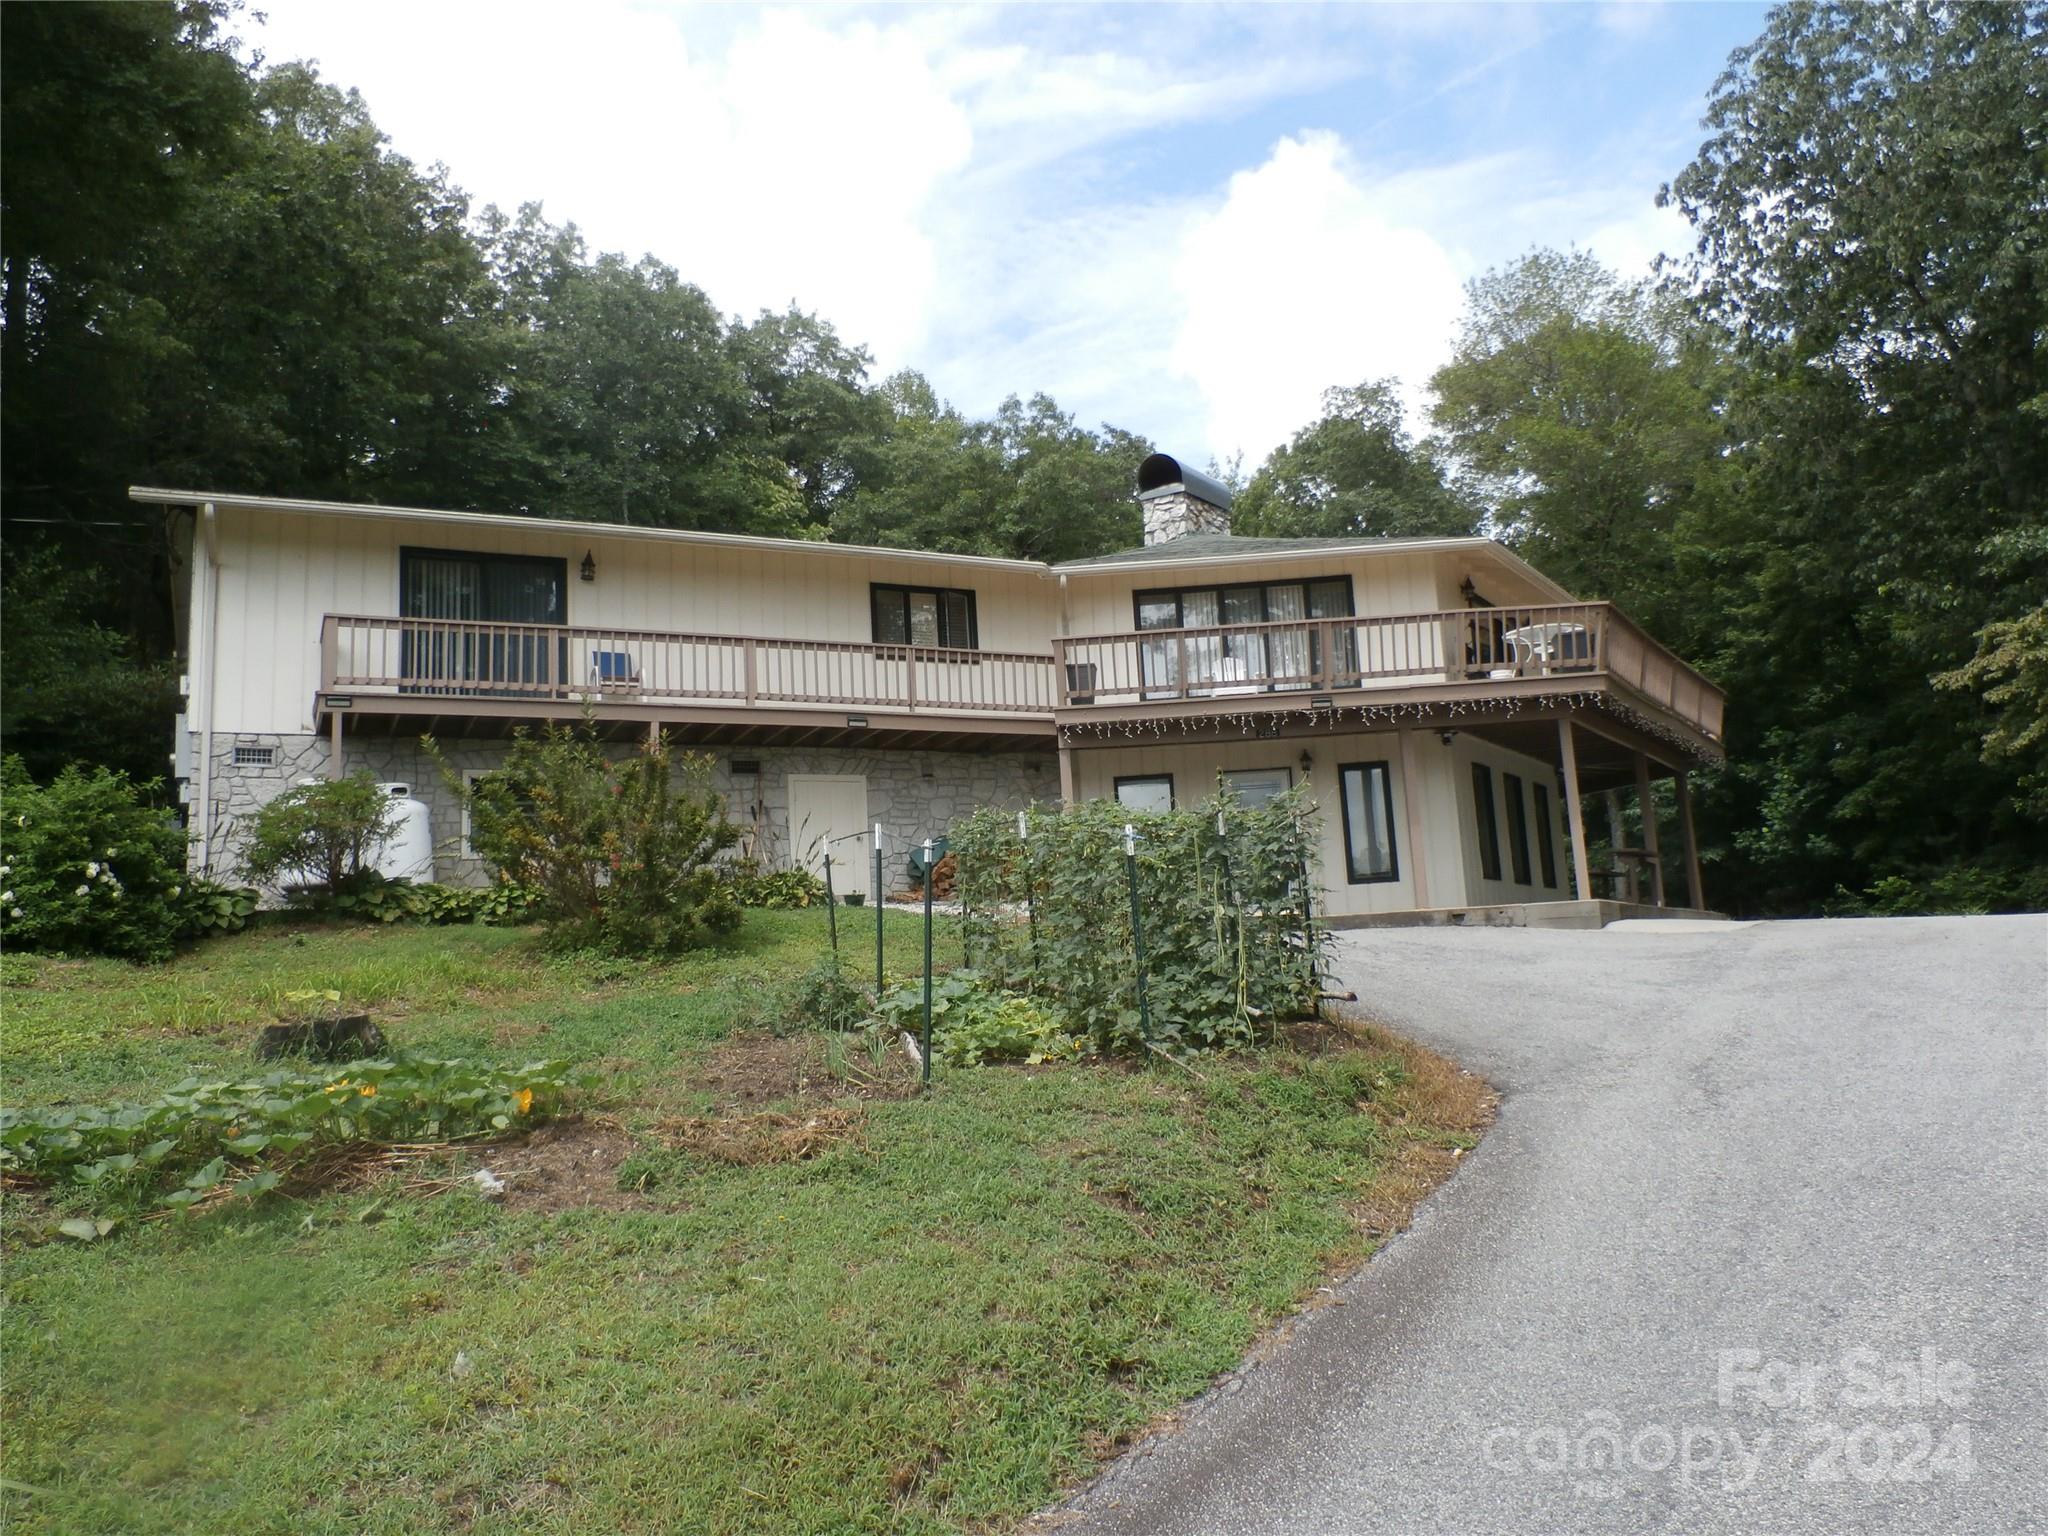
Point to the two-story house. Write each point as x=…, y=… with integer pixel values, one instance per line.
x=1449, y=705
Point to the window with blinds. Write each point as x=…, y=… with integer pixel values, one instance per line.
x=460, y=595
x=942, y=617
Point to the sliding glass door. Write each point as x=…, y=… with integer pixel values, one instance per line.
x=479, y=591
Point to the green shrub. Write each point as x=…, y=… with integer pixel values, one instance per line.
x=501, y=904
x=86, y=867
x=211, y=908
x=825, y=997
x=626, y=856
x=321, y=838
x=200, y=1135
x=1231, y=938
x=974, y=1022
x=1960, y=891
x=371, y=898
x=779, y=890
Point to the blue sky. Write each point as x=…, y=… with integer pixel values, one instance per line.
x=1188, y=221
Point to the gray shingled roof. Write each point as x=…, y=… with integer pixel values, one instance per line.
x=1210, y=546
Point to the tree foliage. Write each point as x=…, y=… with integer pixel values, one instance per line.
x=1356, y=470
x=1871, y=241
x=1584, y=412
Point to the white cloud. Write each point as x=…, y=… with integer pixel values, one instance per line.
x=1014, y=199
x=796, y=163
x=1306, y=277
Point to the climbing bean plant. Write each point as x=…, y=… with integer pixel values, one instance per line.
x=1231, y=935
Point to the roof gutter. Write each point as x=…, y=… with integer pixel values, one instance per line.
x=159, y=496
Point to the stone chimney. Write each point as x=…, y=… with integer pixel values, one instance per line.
x=1177, y=502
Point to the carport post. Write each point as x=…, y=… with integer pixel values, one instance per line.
x=1695, y=893
x=878, y=911
x=1647, y=804
x=1575, y=812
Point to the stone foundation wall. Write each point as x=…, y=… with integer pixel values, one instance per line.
x=912, y=794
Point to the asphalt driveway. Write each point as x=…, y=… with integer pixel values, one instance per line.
x=1759, y=1244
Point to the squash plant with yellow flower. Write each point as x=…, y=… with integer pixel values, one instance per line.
x=205, y=1133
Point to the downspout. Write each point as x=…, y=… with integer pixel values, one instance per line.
x=209, y=544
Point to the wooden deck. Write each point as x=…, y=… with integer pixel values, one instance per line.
x=1475, y=665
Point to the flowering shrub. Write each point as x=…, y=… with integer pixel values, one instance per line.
x=625, y=855
x=87, y=867
x=200, y=1135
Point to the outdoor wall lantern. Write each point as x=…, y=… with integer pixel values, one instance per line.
x=1308, y=763
x=589, y=567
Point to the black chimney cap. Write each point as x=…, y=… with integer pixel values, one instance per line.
x=1163, y=472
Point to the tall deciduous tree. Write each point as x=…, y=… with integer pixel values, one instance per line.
x=1356, y=470
x=1872, y=213
x=1585, y=413
x=1029, y=483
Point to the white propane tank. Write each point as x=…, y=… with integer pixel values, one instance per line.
x=408, y=853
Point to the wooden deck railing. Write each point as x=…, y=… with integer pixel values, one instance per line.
x=457, y=658
x=1465, y=645
x=460, y=658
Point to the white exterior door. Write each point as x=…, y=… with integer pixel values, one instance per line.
x=828, y=812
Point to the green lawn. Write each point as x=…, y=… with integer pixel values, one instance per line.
x=932, y=1325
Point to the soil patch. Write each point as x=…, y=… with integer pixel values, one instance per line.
x=568, y=1165
x=747, y=1071
x=765, y=1137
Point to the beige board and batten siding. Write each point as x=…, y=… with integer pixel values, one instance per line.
x=280, y=574
x=1194, y=767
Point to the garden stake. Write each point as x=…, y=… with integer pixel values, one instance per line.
x=925, y=1085
x=1137, y=930
x=831, y=906
x=1030, y=888
x=1308, y=940
x=878, y=911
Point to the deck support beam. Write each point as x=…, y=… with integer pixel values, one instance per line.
x=1067, y=793
x=1646, y=803
x=1568, y=755
x=1695, y=892
x=335, y=769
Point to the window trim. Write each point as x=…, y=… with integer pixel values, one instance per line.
x=1117, y=785
x=1487, y=816
x=904, y=589
x=1546, y=836
x=1512, y=788
x=1386, y=768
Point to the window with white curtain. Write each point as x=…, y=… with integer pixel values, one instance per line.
x=1366, y=791
x=1256, y=659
